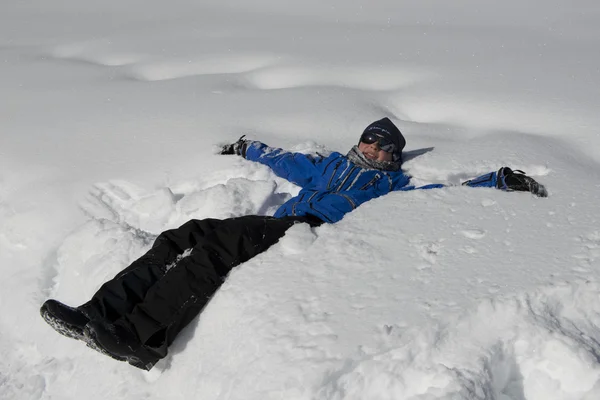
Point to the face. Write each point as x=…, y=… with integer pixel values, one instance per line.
x=373, y=152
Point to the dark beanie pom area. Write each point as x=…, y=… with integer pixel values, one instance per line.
x=386, y=127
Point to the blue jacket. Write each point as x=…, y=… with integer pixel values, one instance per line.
x=331, y=186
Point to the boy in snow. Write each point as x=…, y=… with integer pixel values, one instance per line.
x=135, y=316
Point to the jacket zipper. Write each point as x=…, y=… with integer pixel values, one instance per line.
x=352, y=204
x=333, y=174
x=372, y=181
x=296, y=203
x=346, y=178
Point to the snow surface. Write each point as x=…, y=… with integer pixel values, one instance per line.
x=109, y=117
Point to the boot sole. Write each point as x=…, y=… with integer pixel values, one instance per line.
x=60, y=326
x=92, y=343
x=85, y=335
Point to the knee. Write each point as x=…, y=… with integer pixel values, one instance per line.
x=185, y=235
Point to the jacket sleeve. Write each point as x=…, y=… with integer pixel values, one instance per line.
x=399, y=182
x=300, y=169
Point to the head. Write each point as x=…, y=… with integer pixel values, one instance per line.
x=382, y=141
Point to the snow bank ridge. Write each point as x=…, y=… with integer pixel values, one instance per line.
x=536, y=346
x=262, y=71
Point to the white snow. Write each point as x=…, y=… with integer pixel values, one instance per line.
x=109, y=117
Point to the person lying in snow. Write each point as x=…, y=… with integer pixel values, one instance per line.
x=136, y=316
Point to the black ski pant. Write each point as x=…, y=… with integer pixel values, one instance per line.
x=162, y=291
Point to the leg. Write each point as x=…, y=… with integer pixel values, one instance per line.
x=143, y=335
x=119, y=295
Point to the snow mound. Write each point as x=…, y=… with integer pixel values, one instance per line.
x=154, y=211
x=124, y=219
x=365, y=77
x=534, y=346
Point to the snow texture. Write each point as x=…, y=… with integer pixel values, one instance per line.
x=110, y=117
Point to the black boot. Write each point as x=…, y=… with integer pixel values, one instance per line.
x=67, y=321
x=120, y=343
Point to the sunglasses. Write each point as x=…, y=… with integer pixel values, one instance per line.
x=384, y=144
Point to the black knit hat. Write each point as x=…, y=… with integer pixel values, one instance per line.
x=386, y=128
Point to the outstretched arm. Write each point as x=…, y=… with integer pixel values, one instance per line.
x=400, y=182
x=295, y=167
x=504, y=179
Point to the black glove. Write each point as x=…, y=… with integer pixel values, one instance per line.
x=510, y=180
x=237, y=148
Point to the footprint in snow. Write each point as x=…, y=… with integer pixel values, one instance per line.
x=473, y=233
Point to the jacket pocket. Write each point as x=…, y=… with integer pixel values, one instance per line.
x=348, y=199
x=370, y=183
